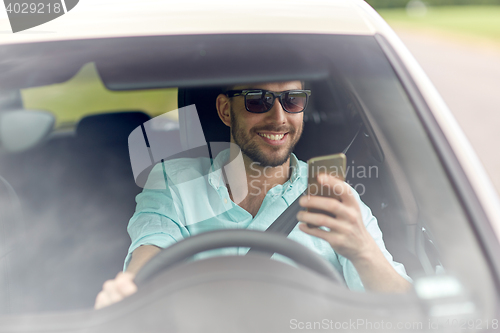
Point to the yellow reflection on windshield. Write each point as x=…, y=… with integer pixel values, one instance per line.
x=85, y=94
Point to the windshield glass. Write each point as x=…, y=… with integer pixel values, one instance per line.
x=105, y=154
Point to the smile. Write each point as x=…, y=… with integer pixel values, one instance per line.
x=274, y=137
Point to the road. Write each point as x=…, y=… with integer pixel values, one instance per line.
x=467, y=75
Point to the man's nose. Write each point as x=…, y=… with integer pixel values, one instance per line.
x=277, y=112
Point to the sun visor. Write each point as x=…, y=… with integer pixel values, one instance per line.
x=219, y=60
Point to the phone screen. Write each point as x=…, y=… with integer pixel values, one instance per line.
x=333, y=165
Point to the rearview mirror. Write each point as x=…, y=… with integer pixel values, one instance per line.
x=21, y=130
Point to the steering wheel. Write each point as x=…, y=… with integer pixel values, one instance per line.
x=267, y=242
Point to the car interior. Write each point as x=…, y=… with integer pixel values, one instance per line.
x=76, y=193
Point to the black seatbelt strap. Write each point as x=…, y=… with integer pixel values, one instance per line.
x=285, y=223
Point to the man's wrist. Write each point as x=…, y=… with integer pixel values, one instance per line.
x=371, y=256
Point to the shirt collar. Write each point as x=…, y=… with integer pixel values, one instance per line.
x=294, y=166
x=215, y=174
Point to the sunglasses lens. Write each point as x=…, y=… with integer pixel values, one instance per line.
x=259, y=101
x=295, y=101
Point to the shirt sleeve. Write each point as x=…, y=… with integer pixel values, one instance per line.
x=351, y=276
x=155, y=221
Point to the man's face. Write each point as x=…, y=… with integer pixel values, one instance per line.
x=253, y=132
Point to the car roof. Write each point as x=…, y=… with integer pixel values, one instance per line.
x=154, y=17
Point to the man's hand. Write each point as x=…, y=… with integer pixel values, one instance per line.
x=115, y=290
x=348, y=236
x=123, y=284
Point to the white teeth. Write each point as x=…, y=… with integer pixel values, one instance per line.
x=272, y=136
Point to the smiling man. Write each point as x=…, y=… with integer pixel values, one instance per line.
x=265, y=138
x=266, y=121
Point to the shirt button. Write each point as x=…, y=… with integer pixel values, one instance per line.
x=225, y=200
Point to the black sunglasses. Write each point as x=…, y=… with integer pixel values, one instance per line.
x=260, y=100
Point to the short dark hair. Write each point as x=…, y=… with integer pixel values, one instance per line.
x=231, y=87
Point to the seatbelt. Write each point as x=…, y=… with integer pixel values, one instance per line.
x=285, y=223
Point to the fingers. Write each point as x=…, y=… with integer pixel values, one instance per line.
x=115, y=290
x=339, y=212
x=328, y=205
x=335, y=239
x=320, y=220
x=337, y=188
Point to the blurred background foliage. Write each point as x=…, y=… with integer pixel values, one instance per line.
x=468, y=20
x=402, y=3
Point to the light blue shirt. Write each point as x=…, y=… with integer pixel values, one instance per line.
x=188, y=196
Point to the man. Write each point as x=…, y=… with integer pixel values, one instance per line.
x=266, y=129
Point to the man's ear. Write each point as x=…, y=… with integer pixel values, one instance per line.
x=223, y=105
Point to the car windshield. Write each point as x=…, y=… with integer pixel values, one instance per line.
x=112, y=144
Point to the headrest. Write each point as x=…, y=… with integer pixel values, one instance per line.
x=110, y=127
x=204, y=99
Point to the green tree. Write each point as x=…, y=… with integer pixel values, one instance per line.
x=402, y=3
